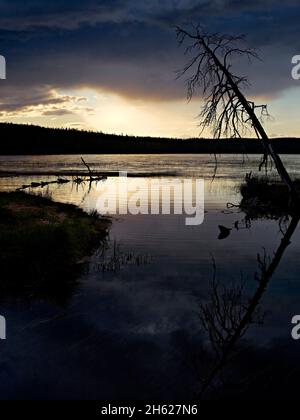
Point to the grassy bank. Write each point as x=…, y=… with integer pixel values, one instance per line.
x=43, y=243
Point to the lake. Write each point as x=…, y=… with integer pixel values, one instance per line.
x=134, y=330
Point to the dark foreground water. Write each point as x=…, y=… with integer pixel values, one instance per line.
x=135, y=331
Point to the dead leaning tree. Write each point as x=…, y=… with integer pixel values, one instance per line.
x=227, y=111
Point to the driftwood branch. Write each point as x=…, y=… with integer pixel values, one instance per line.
x=88, y=168
x=77, y=180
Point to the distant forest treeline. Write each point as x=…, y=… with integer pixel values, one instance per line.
x=18, y=139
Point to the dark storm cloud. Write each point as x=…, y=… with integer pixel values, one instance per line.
x=22, y=15
x=129, y=47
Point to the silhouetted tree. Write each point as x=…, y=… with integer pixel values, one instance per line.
x=226, y=110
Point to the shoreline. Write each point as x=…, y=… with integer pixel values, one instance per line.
x=44, y=245
x=10, y=174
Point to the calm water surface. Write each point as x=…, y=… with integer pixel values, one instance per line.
x=135, y=332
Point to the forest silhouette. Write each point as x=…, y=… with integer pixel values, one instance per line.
x=22, y=139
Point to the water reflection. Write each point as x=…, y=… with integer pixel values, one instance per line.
x=133, y=332
x=228, y=316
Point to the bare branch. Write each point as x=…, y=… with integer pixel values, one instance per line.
x=226, y=111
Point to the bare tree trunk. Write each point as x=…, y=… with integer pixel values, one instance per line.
x=257, y=126
x=225, y=103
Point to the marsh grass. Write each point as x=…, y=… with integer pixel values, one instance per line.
x=266, y=197
x=43, y=244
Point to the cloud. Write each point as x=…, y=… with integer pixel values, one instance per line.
x=41, y=101
x=129, y=47
x=57, y=112
x=68, y=14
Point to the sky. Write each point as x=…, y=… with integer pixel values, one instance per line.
x=111, y=65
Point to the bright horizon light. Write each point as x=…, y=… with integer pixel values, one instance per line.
x=113, y=114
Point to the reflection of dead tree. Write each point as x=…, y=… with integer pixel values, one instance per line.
x=226, y=318
x=226, y=108
x=223, y=314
